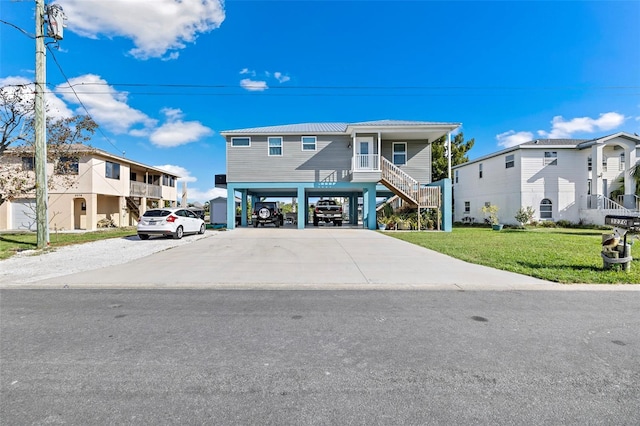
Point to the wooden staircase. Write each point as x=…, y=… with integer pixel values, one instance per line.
x=134, y=207
x=407, y=188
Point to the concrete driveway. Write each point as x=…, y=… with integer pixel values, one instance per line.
x=301, y=259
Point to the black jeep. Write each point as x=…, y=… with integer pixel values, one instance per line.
x=267, y=212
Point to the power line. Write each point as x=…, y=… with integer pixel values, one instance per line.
x=80, y=100
x=352, y=87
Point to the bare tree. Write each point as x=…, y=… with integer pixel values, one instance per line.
x=64, y=135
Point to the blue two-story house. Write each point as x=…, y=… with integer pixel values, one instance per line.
x=350, y=160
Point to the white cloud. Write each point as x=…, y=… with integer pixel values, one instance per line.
x=155, y=27
x=185, y=175
x=513, y=138
x=56, y=108
x=561, y=128
x=176, y=132
x=248, y=72
x=107, y=106
x=253, y=85
x=196, y=195
x=281, y=77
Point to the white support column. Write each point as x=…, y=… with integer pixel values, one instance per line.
x=449, y=155
x=629, y=161
x=379, y=150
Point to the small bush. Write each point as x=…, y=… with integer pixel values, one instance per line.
x=548, y=224
x=565, y=224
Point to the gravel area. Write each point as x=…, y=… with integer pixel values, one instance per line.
x=30, y=266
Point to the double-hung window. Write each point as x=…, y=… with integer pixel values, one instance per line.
x=589, y=163
x=480, y=170
x=455, y=174
x=112, y=170
x=509, y=161
x=550, y=158
x=546, y=209
x=399, y=153
x=467, y=207
x=309, y=143
x=275, y=146
x=621, y=165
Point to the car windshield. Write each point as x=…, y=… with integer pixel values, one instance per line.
x=156, y=213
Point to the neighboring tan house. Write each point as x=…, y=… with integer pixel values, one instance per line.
x=105, y=190
x=355, y=161
x=562, y=179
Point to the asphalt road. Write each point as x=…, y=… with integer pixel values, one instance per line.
x=84, y=357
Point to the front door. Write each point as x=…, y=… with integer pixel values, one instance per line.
x=364, y=152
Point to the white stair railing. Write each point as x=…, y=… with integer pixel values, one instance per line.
x=423, y=196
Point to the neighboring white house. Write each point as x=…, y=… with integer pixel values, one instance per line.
x=562, y=179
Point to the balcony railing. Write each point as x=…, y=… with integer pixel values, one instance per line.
x=141, y=189
x=366, y=162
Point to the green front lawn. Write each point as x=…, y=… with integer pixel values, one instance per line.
x=12, y=243
x=553, y=254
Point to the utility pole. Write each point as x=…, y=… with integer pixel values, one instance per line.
x=42, y=210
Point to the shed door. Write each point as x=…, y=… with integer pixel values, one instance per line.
x=23, y=214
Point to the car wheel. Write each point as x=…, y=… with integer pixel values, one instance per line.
x=202, y=229
x=179, y=233
x=143, y=236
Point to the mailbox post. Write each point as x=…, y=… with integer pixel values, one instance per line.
x=625, y=225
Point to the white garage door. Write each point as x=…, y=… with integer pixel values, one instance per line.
x=23, y=214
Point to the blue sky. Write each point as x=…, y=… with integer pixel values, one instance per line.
x=163, y=78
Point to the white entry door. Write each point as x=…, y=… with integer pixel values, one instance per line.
x=364, y=153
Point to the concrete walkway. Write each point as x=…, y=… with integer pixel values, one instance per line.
x=317, y=258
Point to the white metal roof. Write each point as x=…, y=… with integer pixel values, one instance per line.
x=334, y=128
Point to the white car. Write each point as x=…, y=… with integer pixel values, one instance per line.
x=174, y=221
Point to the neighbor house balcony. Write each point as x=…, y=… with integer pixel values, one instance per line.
x=141, y=189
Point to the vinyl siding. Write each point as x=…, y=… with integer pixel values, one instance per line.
x=331, y=161
x=418, y=158
x=499, y=186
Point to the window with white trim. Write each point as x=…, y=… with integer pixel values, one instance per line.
x=241, y=142
x=309, y=143
x=509, y=161
x=605, y=161
x=551, y=158
x=399, y=153
x=480, y=170
x=546, y=209
x=455, y=174
x=275, y=146
x=621, y=166
x=589, y=163
x=467, y=207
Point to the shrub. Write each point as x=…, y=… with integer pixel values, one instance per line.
x=565, y=224
x=524, y=215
